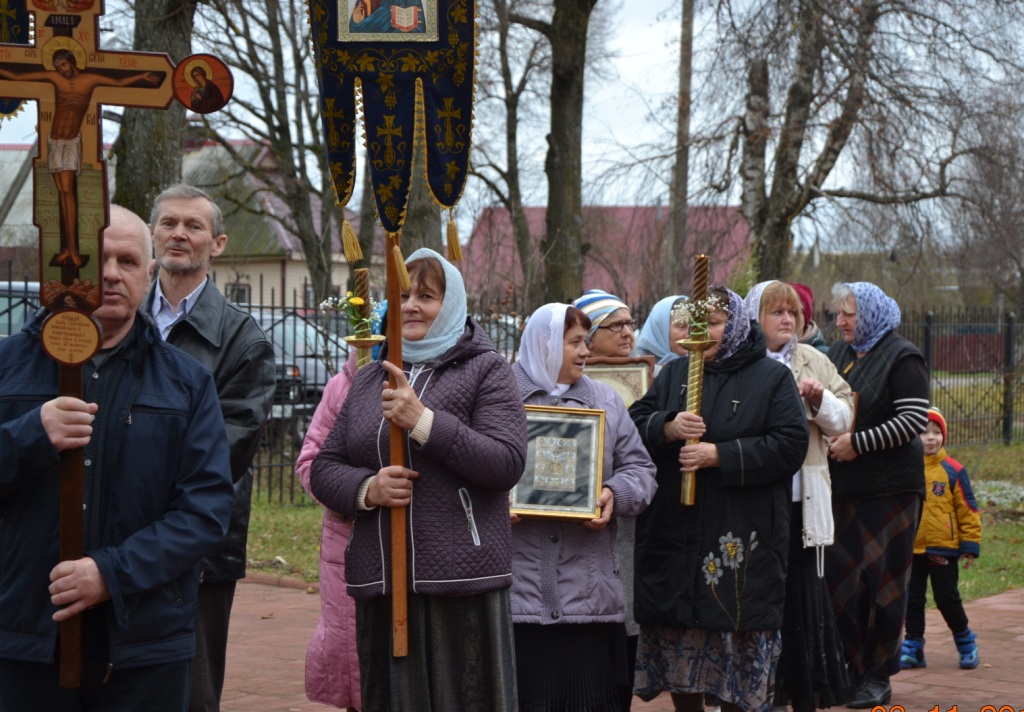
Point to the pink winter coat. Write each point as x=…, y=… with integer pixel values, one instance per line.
x=332, y=664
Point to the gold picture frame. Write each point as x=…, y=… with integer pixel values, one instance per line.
x=629, y=376
x=564, y=464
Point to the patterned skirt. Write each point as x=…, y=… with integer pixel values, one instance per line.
x=734, y=667
x=460, y=655
x=868, y=572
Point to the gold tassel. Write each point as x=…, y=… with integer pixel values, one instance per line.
x=403, y=274
x=454, y=248
x=350, y=243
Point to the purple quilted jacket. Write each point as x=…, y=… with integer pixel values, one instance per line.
x=459, y=535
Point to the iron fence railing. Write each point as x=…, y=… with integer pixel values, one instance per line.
x=975, y=359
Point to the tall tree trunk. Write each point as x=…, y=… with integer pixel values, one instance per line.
x=149, y=145
x=676, y=264
x=423, y=216
x=367, y=225
x=563, y=242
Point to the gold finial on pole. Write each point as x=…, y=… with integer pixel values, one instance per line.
x=697, y=344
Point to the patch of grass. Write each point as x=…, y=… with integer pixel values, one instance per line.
x=285, y=538
x=1001, y=565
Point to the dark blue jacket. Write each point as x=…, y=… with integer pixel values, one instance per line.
x=158, y=498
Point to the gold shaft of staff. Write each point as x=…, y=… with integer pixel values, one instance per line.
x=694, y=392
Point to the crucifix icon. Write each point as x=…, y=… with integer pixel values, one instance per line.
x=70, y=76
x=67, y=72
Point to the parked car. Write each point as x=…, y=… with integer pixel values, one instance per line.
x=306, y=356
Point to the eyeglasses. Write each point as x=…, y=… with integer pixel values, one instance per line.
x=618, y=326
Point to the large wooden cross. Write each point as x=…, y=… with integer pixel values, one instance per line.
x=71, y=77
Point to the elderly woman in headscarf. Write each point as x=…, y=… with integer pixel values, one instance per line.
x=812, y=669
x=710, y=578
x=664, y=328
x=456, y=401
x=612, y=328
x=567, y=598
x=877, y=485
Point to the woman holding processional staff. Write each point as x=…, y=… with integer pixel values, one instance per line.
x=710, y=578
x=457, y=400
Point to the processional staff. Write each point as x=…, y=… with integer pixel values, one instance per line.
x=70, y=75
x=415, y=82
x=696, y=344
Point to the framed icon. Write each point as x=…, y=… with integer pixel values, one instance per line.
x=564, y=462
x=387, y=20
x=629, y=376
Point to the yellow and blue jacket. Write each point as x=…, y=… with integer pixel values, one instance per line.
x=950, y=521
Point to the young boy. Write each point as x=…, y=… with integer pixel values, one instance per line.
x=950, y=530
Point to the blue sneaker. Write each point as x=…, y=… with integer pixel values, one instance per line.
x=968, y=649
x=913, y=654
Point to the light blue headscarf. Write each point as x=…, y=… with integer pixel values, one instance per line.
x=450, y=322
x=654, y=337
x=877, y=315
x=540, y=349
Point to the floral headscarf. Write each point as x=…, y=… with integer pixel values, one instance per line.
x=450, y=322
x=877, y=315
x=654, y=337
x=540, y=348
x=737, y=327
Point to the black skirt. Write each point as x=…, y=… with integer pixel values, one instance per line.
x=570, y=667
x=812, y=669
x=460, y=655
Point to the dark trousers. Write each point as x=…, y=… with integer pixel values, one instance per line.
x=212, y=617
x=31, y=687
x=945, y=589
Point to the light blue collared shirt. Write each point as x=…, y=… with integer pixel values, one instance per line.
x=164, y=314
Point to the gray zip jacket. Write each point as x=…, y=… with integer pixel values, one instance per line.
x=564, y=572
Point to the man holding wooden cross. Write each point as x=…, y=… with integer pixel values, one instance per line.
x=158, y=497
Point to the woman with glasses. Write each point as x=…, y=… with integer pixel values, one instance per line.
x=612, y=329
x=612, y=333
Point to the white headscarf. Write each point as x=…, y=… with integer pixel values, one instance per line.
x=540, y=349
x=753, y=303
x=450, y=322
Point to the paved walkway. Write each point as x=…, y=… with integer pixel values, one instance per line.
x=274, y=618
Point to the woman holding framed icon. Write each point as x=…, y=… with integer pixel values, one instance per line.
x=568, y=606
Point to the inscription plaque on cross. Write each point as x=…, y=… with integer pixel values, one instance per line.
x=70, y=76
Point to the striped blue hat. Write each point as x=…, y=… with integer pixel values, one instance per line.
x=597, y=304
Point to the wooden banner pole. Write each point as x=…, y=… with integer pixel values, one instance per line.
x=399, y=577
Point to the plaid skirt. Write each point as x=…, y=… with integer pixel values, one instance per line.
x=868, y=573
x=460, y=655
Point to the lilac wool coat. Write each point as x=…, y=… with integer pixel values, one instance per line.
x=564, y=572
x=459, y=534
x=332, y=663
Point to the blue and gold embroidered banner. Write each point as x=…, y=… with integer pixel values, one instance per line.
x=13, y=30
x=413, y=62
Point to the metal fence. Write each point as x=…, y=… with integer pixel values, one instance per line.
x=974, y=358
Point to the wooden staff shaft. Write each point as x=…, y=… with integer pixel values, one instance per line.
x=72, y=530
x=399, y=578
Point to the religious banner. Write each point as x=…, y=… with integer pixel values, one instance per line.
x=412, y=61
x=13, y=30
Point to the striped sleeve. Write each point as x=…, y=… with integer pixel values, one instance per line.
x=908, y=385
